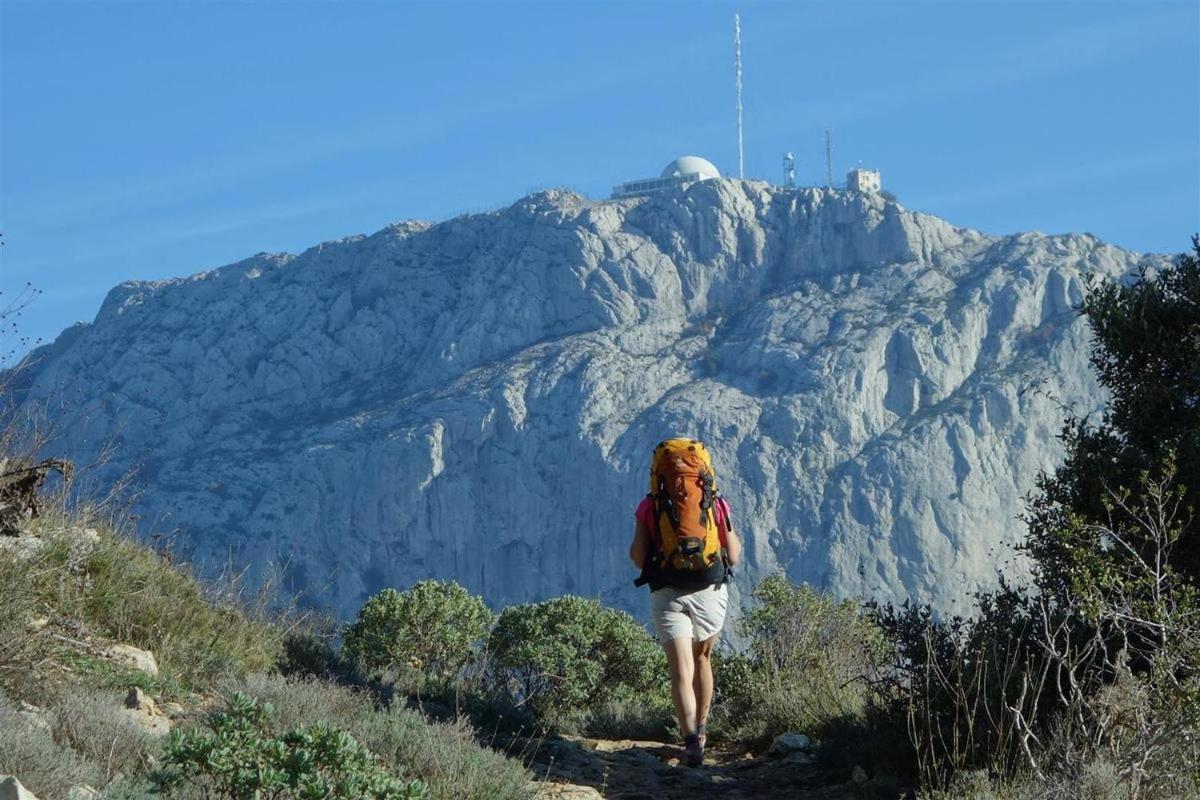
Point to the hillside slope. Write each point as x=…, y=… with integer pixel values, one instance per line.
x=476, y=399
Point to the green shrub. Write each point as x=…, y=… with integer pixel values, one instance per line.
x=809, y=663
x=444, y=755
x=238, y=757
x=734, y=679
x=434, y=627
x=1085, y=683
x=571, y=655
x=1028, y=687
x=1145, y=353
x=309, y=655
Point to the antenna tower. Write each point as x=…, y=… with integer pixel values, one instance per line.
x=737, y=69
x=828, y=159
x=789, y=170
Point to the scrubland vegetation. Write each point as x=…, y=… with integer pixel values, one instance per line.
x=1084, y=684
x=63, y=604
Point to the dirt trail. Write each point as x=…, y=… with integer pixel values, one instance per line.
x=636, y=770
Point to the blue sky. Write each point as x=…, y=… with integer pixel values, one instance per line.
x=150, y=140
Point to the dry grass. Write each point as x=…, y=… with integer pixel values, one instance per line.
x=119, y=590
x=45, y=767
x=94, y=725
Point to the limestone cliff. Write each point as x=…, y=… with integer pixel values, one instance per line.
x=477, y=399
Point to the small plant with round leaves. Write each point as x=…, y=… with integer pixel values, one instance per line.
x=238, y=757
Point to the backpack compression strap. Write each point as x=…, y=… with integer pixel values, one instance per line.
x=654, y=552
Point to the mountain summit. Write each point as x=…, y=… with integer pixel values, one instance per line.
x=478, y=399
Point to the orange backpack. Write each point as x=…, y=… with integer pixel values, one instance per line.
x=685, y=543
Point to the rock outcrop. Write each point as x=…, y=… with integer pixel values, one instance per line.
x=141, y=710
x=477, y=399
x=11, y=789
x=132, y=657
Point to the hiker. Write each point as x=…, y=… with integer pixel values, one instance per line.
x=685, y=545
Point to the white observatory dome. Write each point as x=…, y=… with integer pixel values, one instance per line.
x=688, y=165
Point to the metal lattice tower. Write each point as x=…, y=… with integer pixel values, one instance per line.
x=828, y=159
x=789, y=169
x=737, y=69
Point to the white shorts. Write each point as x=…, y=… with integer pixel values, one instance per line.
x=695, y=615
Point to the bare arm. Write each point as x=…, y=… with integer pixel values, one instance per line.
x=640, y=546
x=733, y=547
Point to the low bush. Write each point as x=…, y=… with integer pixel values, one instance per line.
x=810, y=663
x=1101, y=670
x=73, y=590
x=309, y=654
x=1095, y=780
x=649, y=718
x=239, y=757
x=570, y=655
x=435, y=628
x=45, y=767
x=445, y=755
x=94, y=724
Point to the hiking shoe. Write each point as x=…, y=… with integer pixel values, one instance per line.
x=693, y=751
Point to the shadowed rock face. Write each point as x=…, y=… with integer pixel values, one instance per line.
x=478, y=399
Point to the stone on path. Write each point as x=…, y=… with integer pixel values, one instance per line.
x=11, y=789
x=35, y=716
x=173, y=710
x=799, y=759
x=786, y=743
x=564, y=791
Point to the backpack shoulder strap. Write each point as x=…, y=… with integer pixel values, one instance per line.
x=724, y=517
x=652, y=552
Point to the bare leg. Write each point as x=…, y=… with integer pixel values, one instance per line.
x=702, y=680
x=683, y=673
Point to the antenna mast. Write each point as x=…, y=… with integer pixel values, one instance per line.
x=737, y=68
x=828, y=159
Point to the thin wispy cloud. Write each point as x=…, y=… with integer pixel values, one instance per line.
x=1053, y=54
x=600, y=102
x=75, y=207
x=1096, y=170
x=196, y=227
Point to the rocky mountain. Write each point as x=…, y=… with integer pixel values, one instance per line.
x=477, y=399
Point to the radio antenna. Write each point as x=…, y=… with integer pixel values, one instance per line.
x=737, y=69
x=828, y=159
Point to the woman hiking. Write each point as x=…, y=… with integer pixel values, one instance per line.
x=685, y=544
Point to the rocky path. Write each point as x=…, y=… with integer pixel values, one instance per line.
x=572, y=768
